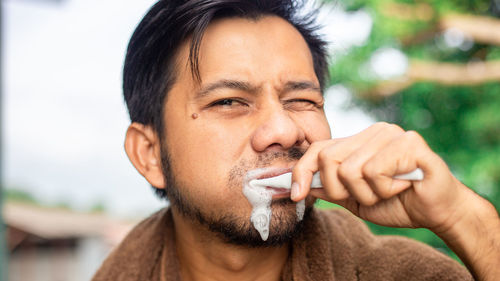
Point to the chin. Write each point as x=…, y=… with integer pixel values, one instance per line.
x=284, y=227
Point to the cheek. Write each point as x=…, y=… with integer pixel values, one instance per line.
x=314, y=125
x=203, y=154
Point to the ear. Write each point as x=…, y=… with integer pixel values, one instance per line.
x=143, y=149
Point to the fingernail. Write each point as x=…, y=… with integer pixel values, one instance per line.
x=295, y=190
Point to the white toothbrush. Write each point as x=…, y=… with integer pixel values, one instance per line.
x=285, y=180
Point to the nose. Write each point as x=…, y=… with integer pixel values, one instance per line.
x=277, y=128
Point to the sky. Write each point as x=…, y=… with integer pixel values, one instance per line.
x=64, y=118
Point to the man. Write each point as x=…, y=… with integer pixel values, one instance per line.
x=218, y=88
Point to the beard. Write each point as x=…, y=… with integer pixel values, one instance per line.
x=229, y=227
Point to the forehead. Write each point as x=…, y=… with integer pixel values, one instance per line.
x=267, y=48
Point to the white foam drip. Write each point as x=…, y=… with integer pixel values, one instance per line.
x=300, y=208
x=260, y=198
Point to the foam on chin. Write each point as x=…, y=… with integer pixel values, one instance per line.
x=260, y=198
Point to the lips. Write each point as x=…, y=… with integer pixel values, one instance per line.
x=270, y=172
x=273, y=172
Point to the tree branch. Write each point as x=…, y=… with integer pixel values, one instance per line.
x=453, y=74
x=481, y=29
x=472, y=73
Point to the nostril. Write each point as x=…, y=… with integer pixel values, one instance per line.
x=299, y=141
x=301, y=138
x=275, y=145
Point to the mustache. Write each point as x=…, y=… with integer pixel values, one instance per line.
x=265, y=159
x=262, y=160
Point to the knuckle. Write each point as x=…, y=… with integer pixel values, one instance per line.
x=413, y=136
x=379, y=125
x=375, y=179
x=326, y=155
x=395, y=129
x=369, y=171
x=387, y=127
x=323, y=157
x=346, y=170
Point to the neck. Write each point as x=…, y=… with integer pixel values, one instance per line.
x=204, y=256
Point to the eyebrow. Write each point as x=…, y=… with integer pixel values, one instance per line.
x=249, y=88
x=227, y=84
x=301, y=85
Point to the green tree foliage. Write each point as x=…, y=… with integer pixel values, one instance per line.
x=460, y=122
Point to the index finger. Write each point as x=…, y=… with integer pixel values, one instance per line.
x=308, y=164
x=305, y=168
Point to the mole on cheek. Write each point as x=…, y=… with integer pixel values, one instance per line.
x=194, y=115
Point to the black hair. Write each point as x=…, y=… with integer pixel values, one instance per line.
x=149, y=69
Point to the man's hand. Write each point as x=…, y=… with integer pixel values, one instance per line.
x=357, y=172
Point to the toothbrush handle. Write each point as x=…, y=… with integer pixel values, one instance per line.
x=316, y=181
x=415, y=175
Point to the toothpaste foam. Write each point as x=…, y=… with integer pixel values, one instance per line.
x=260, y=198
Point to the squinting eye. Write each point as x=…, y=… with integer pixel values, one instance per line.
x=226, y=102
x=306, y=101
x=301, y=105
x=302, y=102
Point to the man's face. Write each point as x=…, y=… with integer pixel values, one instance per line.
x=258, y=105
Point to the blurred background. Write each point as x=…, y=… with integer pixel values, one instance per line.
x=69, y=193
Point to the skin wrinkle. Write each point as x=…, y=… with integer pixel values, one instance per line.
x=226, y=84
x=249, y=88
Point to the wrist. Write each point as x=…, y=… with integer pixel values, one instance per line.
x=471, y=213
x=474, y=218
x=475, y=236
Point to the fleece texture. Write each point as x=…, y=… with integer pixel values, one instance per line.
x=334, y=245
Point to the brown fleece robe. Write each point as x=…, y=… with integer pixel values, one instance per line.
x=334, y=245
